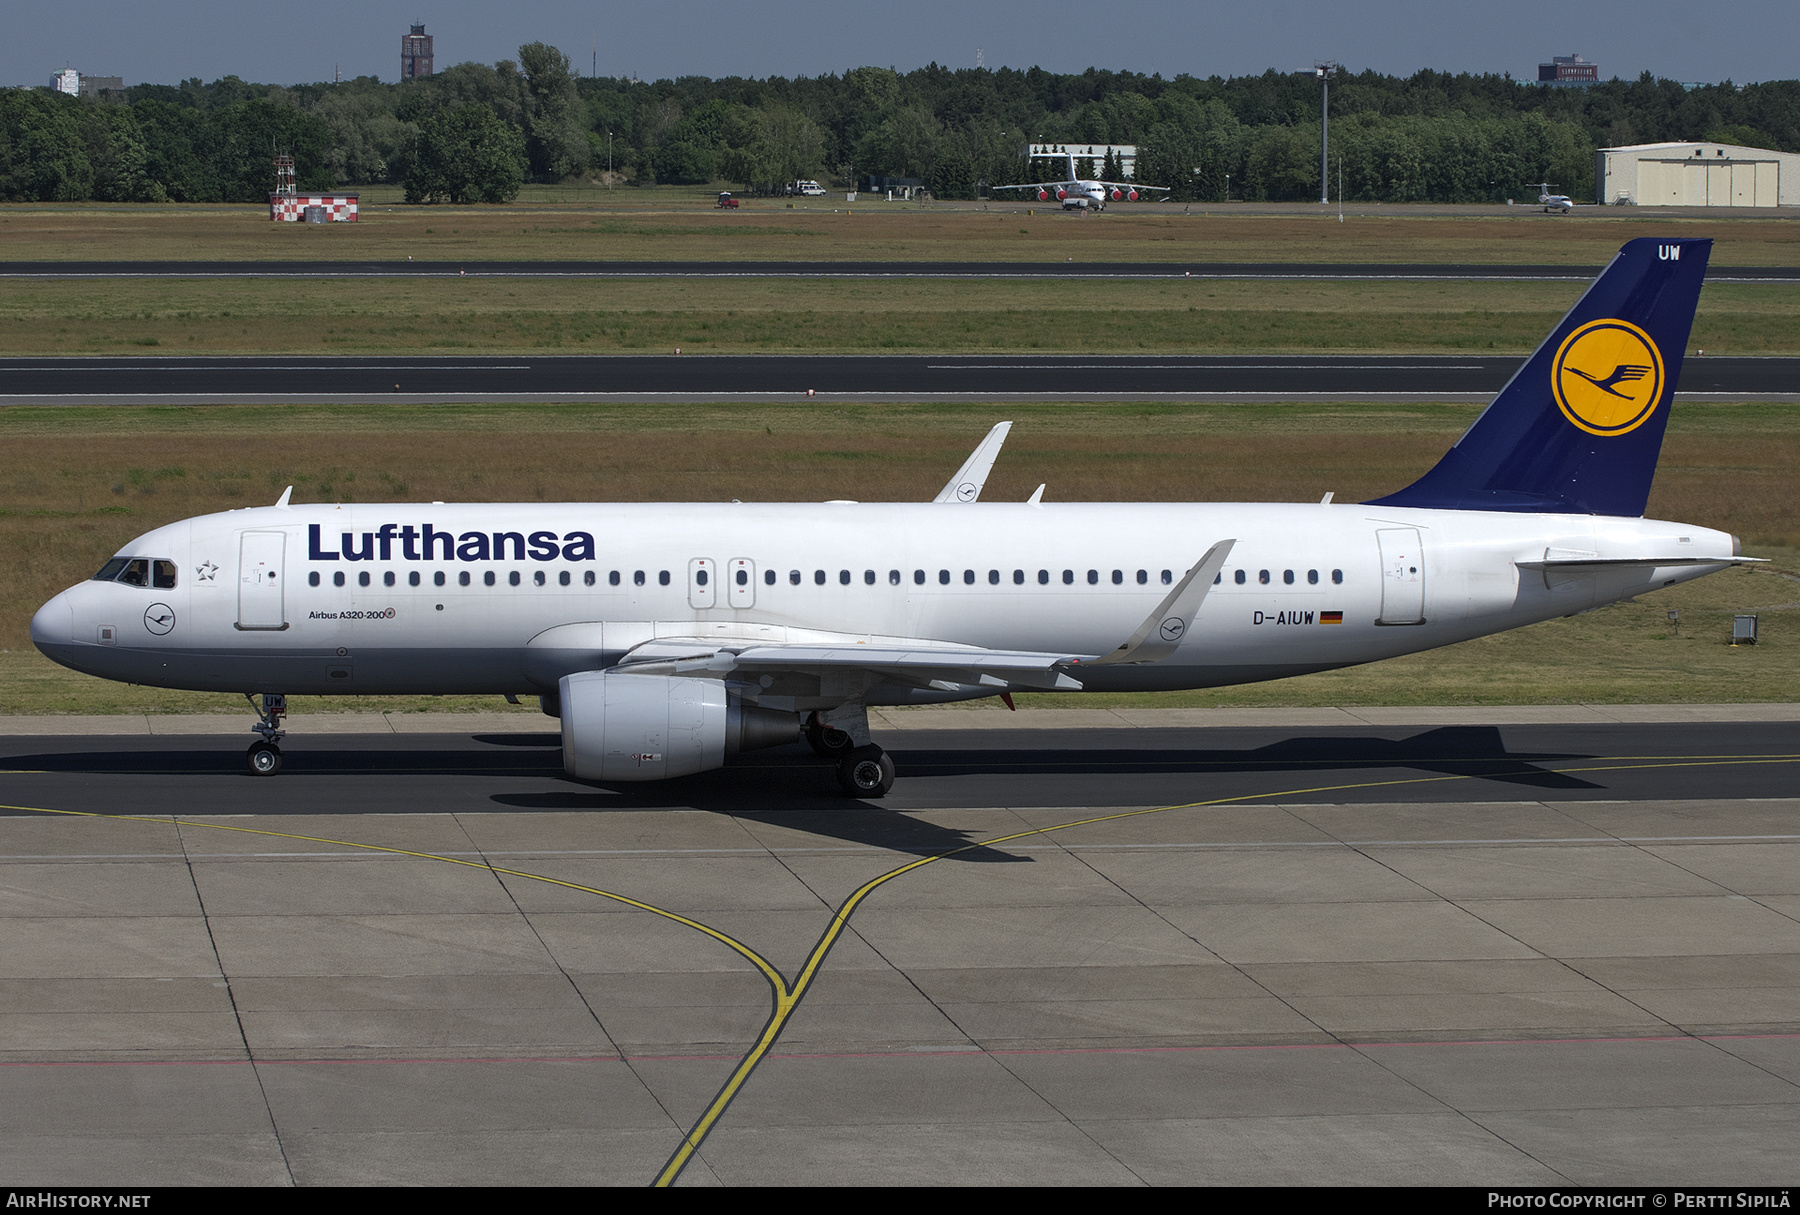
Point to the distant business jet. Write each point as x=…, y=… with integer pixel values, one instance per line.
x=1084, y=194
x=670, y=637
x=1553, y=202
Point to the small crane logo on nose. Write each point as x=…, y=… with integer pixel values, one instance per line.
x=159, y=618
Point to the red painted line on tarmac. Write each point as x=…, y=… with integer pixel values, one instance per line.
x=908, y=1054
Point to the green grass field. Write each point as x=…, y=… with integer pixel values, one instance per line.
x=682, y=225
x=79, y=483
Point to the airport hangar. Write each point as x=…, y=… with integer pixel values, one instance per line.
x=1697, y=174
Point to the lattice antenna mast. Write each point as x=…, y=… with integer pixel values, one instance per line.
x=284, y=174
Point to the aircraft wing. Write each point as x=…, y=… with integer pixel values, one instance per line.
x=769, y=668
x=1035, y=185
x=916, y=662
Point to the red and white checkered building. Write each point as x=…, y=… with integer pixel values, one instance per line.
x=291, y=208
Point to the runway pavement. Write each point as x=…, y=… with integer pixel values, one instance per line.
x=1455, y=272
x=574, y=378
x=1439, y=947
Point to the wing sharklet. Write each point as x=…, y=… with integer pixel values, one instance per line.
x=966, y=485
x=1162, y=630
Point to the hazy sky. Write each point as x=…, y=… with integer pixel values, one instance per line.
x=1741, y=40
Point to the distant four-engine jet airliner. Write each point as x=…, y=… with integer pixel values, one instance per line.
x=670, y=637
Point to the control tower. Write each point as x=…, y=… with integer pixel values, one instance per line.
x=415, y=53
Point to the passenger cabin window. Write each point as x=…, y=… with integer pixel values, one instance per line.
x=587, y=579
x=1068, y=577
x=637, y=577
x=1287, y=576
x=943, y=577
x=412, y=578
x=537, y=577
x=362, y=578
x=163, y=575
x=818, y=577
x=662, y=577
x=512, y=578
x=462, y=578
x=337, y=578
x=387, y=579
x=843, y=577
x=1118, y=577
x=1337, y=577
x=1018, y=577
x=612, y=578
x=1312, y=577
x=1168, y=576
x=1262, y=576
x=437, y=579
x=793, y=577
x=312, y=579
x=1093, y=577
x=562, y=579
x=918, y=577
x=1238, y=577
x=1143, y=577
x=893, y=577
x=768, y=577
x=868, y=577
x=993, y=577
x=1043, y=577
x=488, y=578
x=968, y=577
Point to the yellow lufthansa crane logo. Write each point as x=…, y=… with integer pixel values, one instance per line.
x=1608, y=377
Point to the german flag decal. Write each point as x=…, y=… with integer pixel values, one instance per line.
x=1331, y=618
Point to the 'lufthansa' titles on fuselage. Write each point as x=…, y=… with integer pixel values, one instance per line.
x=426, y=543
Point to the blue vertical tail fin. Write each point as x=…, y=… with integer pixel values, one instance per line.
x=1579, y=427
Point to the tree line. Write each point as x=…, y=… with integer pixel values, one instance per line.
x=476, y=133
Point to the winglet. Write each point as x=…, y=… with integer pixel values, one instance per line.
x=1164, y=628
x=966, y=485
x=282, y=502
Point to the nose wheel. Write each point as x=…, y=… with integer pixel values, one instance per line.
x=263, y=758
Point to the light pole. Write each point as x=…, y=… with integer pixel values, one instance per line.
x=1325, y=70
x=609, y=160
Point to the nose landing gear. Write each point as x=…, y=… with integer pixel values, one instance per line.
x=264, y=756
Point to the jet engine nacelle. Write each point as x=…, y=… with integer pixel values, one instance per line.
x=1043, y=196
x=1061, y=193
x=1117, y=194
x=1131, y=195
x=652, y=727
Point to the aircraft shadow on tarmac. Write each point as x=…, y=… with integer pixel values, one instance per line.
x=790, y=787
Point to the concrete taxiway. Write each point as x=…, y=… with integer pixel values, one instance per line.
x=1387, y=946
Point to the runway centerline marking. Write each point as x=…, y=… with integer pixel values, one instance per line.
x=786, y=996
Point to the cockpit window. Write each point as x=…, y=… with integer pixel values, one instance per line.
x=163, y=574
x=110, y=570
x=137, y=572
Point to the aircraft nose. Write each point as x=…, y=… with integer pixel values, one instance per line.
x=54, y=623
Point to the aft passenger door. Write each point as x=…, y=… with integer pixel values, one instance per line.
x=1402, y=576
x=260, y=580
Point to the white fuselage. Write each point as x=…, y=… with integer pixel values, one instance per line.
x=259, y=606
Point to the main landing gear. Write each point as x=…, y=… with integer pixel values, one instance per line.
x=264, y=756
x=842, y=734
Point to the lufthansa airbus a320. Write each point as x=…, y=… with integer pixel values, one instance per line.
x=670, y=637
